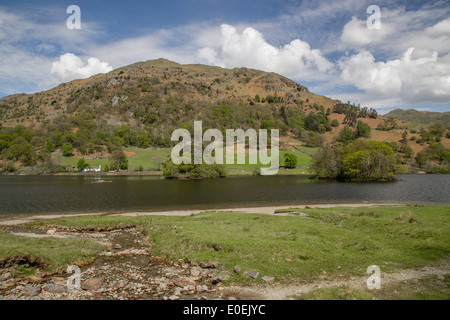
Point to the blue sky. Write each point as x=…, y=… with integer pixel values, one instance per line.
x=325, y=45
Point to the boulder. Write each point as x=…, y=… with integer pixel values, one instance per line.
x=55, y=288
x=251, y=274
x=92, y=284
x=30, y=291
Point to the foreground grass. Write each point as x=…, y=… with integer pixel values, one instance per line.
x=333, y=241
x=50, y=254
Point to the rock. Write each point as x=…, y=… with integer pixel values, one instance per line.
x=195, y=272
x=55, y=288
x=268, y=279
x=201, y=288
x=8, y=284
x=174, y=297
x=251, y=274
x=212, y=264
x=51, y=231
x=203, y=265
x=30, y=291
x=117, y=246
x=232, y=298
x=220, y=277
x=6, y=276
x=185, y=265
x=190, y=288
x=92, y=284
x=59, y=280
x=237, y=269
x=120, y=284
x=36, y=280
x=162, y=287
x=183, y=282
x=440, y=277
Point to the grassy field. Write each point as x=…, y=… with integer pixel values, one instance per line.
x=338, y=242
x=150, y=159
x=51, y=254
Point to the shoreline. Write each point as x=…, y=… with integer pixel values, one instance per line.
x=13, y=220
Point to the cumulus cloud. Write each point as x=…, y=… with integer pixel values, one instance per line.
x=71, y=67
x=412, y=79
x=250, y=49
x=356, y=33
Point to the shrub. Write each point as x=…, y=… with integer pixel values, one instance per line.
x=67, y=150
x=290, y=160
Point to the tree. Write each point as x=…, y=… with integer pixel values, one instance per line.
x=82, y=164
x=21, y=150
x=67, y=150
x=290, y=160
x=437, y=129
x=346, y=136
x=143, y=139
x=49, y=145
x=335, y=123
x=362, y=130
x=119, y=160
x=360, y=160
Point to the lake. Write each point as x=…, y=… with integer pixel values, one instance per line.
x=70, y=194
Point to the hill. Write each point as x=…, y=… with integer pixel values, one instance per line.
x=140, y=105
x=420, y=117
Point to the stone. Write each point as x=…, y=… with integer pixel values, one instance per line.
x=201, y=288
x=220, y=277
x=203, y=265
x=59, y=280
x=237, y=269
x=212, y=264
x=6, y=276
x=51, y=231
x=189, y=288
x=174, y=297
x=268, y=279
x=92, y=284
x=440, y=277
x=195, y=272
x=36, y=280
x=30, y=291
x=183, y=282
x=251, y=274
x=8, y=284
x=55, y=288
x=117, y=246
x=185, y=265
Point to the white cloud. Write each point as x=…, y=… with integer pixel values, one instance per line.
x=356, y=33
x=250, y=49
x=71, y=67
x=412, y=79
x=441, y=28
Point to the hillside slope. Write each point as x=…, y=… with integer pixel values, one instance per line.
x=140, y=105
x=420, y=117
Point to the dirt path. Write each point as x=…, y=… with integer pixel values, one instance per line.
x=18, y=220
x=286, y=292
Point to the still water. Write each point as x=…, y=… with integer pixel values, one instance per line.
x=58, y=194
